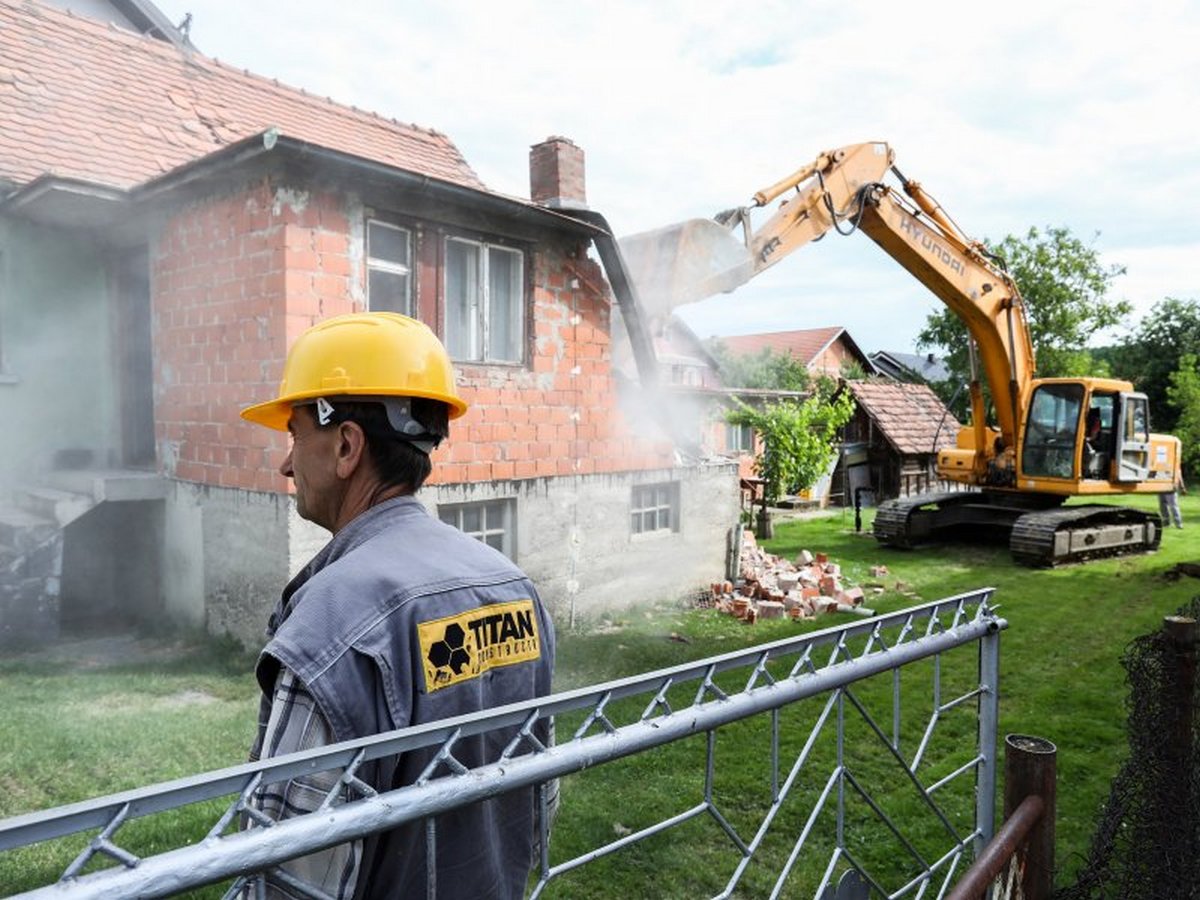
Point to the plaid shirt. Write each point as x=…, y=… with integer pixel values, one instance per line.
x=290, y=722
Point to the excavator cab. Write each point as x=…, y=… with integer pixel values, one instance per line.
x=1086, y=431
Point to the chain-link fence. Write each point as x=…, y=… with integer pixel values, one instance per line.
x=1147, y=840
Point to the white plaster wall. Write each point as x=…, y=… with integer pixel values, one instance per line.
x=226, y=557
x=183, y=556
x=230, y=552
x=575, y=542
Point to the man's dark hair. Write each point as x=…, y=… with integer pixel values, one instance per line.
x=396, y=460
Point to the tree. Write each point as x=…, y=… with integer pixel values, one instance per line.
x=798, y=437
x=1065, y=288
x=1150, y=355
x=1183, y=394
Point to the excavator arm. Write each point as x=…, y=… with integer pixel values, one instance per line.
x=1041, y=451
x=844, y=190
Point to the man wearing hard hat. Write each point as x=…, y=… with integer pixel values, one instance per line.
x=392, y=623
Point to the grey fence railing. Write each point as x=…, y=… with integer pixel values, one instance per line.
x=812, y=807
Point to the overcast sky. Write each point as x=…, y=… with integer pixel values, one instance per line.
x=1012, y=115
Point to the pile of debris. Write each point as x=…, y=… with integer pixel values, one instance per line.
x=772, y=587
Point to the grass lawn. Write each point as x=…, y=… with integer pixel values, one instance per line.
x=93, y=718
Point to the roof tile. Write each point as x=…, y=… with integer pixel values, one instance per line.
x=66, y=77
x=911, y=416
x=804, y=344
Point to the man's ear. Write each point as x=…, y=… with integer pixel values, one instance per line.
x=350, y=449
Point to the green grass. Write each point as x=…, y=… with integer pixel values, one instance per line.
x=73, y=728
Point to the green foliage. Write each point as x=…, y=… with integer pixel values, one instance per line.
x=1183, y=394
x=75, y=726
x=1149, y=355
x=1065, y=288
x=766, y=370
x=852, y=370
x=798, y=437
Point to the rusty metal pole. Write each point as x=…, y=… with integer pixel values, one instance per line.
x=1030, y=768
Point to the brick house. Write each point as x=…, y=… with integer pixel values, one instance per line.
x=169, y=224
x=824, y=351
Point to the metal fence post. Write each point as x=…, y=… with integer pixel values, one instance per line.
x=989, y=715
x=1030, y=769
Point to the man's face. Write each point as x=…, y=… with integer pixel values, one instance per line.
x=311, y=463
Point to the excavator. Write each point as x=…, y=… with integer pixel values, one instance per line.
x=1052, y=438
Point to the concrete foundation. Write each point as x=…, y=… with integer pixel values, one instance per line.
x=230, y=552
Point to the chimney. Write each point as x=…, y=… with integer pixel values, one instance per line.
x=556, y=174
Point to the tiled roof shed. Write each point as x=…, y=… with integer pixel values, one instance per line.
x=910, y=416
x=135, y=108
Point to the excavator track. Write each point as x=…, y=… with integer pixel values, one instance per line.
x=894, y=520
x=1036, y=537
x=1075, y=533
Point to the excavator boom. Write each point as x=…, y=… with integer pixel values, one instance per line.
x=1038, y=453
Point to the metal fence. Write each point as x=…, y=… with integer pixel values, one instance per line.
x=817, y=798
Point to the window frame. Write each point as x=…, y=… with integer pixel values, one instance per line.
x=1053, y=431
x=374, y=263
x=507, y=528
x=745, y=441
x=485, y=353
x=640, y=507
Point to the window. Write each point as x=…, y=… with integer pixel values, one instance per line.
x=655, y=507
x=485, y=309
x=389, y=268
x=1051, y=432
x=491, y=521
x=739, y=438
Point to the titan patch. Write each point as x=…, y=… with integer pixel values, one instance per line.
x=466, y=645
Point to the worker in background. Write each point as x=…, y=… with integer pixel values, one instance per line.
x=1168, y=503
x=381, y=629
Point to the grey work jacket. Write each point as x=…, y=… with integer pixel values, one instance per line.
x=400, y=620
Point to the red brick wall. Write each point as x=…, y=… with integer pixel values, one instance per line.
x=235, y=280
x=559, y=416
x=829, y=361
x=238, y=278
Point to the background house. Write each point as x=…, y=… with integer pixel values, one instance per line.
x=892, y=441
x=913, y=367
x=168, y=225
x=824, y=351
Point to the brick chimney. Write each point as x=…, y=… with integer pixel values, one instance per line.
x=556, y=174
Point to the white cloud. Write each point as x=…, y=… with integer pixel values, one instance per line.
x=1027, y=114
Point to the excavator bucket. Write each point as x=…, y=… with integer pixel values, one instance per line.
x=683, y=263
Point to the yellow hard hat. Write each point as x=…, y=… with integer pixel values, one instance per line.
x=378, y=354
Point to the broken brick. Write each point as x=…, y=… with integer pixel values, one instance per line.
x=770, y=609
x=851, y=596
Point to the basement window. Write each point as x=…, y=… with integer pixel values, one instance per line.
x=655, y=507
x=485, y=301
x=492, y=521
x=389, y=268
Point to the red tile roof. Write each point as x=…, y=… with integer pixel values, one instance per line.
x=81, y=99
x=804, y=345
x=909, y=415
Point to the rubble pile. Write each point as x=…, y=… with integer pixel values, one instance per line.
x=772, y=587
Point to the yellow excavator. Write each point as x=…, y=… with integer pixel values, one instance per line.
x=1053, y=438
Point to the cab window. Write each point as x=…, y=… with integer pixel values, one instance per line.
x=1050, y=433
